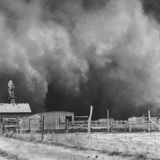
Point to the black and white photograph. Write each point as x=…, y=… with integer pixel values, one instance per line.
x=79, y=79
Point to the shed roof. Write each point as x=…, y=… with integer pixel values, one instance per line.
x=15, y=108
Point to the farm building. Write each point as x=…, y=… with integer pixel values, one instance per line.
x=57, y=120
x=52, y=121
x=10, y=110
x=137, y=119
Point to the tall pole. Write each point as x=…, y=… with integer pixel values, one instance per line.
x=149, y=121
x=18, y=126
x=89, y=126
x=108, y=120
x=42, y=127
x=89, y=119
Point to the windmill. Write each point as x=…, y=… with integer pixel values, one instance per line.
x=11, y=93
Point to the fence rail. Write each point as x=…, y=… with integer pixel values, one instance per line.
x=113, y=125
x=37, y=124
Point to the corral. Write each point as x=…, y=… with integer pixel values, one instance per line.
x=65, y=122
x=62, y=121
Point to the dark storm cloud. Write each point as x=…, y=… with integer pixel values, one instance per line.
x=82, y=52
x=118, y=79
x=152, y=7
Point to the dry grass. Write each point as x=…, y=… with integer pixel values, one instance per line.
x=10, y=156
x=135, y=145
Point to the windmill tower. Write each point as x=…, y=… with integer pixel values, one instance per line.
x=11, y=93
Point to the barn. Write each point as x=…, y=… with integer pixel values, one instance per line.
x=13, y=110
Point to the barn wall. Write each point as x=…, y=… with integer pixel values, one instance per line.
x=52, y=121
x=24, y=123
x=56, y=120
x=14, y=115
x=32, y=122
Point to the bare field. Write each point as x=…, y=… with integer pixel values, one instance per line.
x=101, y=145
x=130, y=145
x=14, y=149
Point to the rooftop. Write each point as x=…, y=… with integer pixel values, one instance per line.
x=15, y=108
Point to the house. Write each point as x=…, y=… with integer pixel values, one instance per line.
x=13, y=110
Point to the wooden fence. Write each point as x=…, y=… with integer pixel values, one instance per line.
x=37, y=124
x=9, y=124
x=117, y=125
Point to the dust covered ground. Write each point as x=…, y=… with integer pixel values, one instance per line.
x=14, y=149
x=78, y=146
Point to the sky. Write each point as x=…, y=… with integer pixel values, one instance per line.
x=68, y=55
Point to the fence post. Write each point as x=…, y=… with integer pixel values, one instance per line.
x=149, y=121
x=89, y=119
x=29, y=122
x=4, y=126
x=18, y=128
x=108, y=120
x=130, y=127
x=1, y=127
x=42, y=125
x=67, y=125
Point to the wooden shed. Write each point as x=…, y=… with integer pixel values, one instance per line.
x=55, y=120
x=9, y=110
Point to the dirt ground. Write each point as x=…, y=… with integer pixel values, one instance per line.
x=123, y=145
x=81, y=146
x=14, y=149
